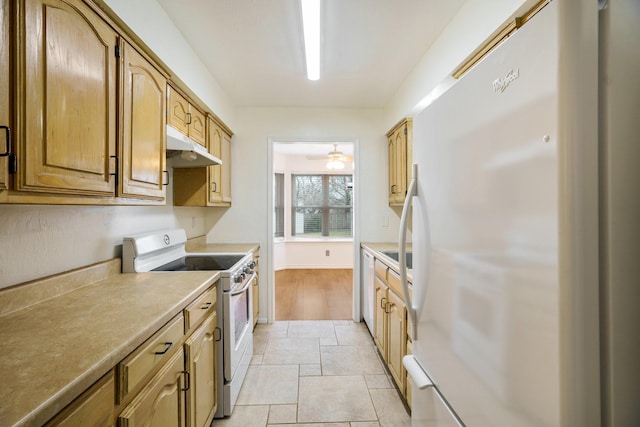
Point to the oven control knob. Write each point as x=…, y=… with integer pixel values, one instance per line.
x=238, y=278
x=247, y=270
x=252, y=265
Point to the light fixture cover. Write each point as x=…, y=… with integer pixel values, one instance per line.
x=311, y=27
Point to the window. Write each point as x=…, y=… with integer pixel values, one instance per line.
x=278, y=203
x=321, y=205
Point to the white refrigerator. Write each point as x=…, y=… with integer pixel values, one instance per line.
x=507, y=316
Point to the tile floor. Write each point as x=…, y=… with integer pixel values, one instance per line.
x=316, y=374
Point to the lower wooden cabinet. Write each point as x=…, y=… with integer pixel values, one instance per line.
x=200, y=362
x=94, y=407
x=390, y=323
x=161, y=401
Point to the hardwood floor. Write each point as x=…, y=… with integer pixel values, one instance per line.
x=318, y=294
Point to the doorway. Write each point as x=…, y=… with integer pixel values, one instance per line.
x=313, y=230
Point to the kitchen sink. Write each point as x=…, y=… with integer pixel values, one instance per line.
x=394, y=256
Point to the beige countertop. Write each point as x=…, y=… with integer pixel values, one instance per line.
x=200, y=246
x=57, y=348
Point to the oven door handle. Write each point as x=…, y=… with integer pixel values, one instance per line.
x=244, y=288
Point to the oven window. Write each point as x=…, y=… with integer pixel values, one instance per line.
x=240, y=314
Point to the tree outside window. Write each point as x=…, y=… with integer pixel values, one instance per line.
x=322, y=205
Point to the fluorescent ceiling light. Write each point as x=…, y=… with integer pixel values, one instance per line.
x=311, y=27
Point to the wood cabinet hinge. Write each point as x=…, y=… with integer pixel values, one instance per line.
x=117, y=51
x=405, y=130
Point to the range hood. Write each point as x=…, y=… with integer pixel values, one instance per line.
x=183, y=152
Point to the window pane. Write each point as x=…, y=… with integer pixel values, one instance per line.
x=278, y=203
x=321, y=205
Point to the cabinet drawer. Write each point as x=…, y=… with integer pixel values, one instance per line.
x=393, y=280
x=381, y=270
x=149, y=355
x=202, y=306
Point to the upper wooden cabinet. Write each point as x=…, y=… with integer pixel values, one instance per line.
x=66, y=102
x=210, y=185
x=88, y=116
x=5, y=108
x=143, y=140
x=400, y=160
x=185, y=117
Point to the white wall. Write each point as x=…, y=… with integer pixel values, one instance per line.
x=38, y=241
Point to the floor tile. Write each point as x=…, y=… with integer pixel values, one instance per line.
x=269, y=384
x=312, y=425
x=366, y=424
x=390, y=409
x=311, y=329
x=378, y=381
x=245, y=416
x=284, y=414
x=310, y=370
x=350, y=360
x=329, y=341
x=334, y=399
x=354, y=334
x=291, y=351
x=256, y=359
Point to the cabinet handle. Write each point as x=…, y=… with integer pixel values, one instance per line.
x=188, y=118
x=388, y=307
x=117, y=171
x=167, y=346
x=217, y=331
x=167, y=183
x=393, y=189
x=215, y=186
x=383, y=304
x=187, y=380
x=206, y=306
x=7, y=140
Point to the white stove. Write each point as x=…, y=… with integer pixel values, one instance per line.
x=165, y=250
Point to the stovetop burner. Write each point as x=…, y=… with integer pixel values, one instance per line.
x=218, y=262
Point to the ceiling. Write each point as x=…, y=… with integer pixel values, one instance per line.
x=312, y=149
x=255, y=48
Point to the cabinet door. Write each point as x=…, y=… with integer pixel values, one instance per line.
x=143, y=141
x=401, y=165
x=202, y=397
x=215, y=171
x=5, y=118
x=380, y=317
x=161, y=402
x=391, y=151
x=67, y=99
x=197, y=127
x=397, y=338
x=226, y=168
x=178, y=111
x=93, y=408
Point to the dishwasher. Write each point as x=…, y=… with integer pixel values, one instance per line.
x=368, y=277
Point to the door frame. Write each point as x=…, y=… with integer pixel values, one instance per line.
x=271, y=301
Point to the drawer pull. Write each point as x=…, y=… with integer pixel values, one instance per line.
x=218, y=332
x=167, y=346
x=383, y=304
x=206, y=306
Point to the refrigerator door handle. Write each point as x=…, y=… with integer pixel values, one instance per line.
x=419, y=377
x=402, y=252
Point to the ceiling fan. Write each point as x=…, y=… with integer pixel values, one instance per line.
x=335, y=158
